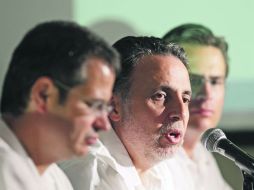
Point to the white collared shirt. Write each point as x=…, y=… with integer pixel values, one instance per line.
x=109, y=167
x=17, y=170
x=199, y=173
x=55, y=179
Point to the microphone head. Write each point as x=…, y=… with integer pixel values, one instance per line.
x=211, y=137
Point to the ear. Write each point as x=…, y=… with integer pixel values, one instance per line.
x=40, y=92
x=115, y=115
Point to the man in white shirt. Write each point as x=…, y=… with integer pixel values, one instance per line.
x=208, y=59
x=14, y=160
x=150, y=115
x=55, y=97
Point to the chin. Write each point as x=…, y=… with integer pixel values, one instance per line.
x=165, y=153
x=80, y=150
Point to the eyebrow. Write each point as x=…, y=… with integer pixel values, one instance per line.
x=217, y=77
x=210, y=76
x=167, y=88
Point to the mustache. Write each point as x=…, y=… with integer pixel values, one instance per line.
x=169, y=126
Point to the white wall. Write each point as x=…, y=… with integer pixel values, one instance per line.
x=17, y=17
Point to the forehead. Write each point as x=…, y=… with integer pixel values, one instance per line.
x=99, y=79
x=95, y=67
x=205, y=60
x=156, y=70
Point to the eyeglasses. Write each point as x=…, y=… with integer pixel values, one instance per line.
x=198, y=81
x=98, y=106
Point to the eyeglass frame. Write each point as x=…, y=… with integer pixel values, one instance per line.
x=97, y=106
x=196, y=88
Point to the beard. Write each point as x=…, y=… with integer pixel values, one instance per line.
x=163, y=151
x=147, y=144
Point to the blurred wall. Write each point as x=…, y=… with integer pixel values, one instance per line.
x=233, y=20
x=17, y=17
x=114, y=19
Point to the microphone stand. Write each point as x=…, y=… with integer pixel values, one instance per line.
x=248, y=181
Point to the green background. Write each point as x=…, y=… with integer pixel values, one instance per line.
x=114, y=19
x=231, y=19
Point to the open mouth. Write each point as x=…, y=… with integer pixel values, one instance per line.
x=173, y=136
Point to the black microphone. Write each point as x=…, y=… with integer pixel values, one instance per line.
x=214, y=140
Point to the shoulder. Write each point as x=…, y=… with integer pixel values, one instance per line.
x=8, y=157
x=7, y=169
x=16, y=172
x=86, y=163
x=56, y=178
x=83, y=172
x=83, y=165
x=5, y=149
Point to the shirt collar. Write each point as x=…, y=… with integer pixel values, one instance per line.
x=122, y=163
x=119, y=158
x=10, y=138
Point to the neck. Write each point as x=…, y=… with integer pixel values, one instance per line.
x=31, y=138
x=136, y=154
x=141, y=165
x=42, y=168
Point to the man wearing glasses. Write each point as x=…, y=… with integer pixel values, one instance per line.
x=208, y=59
x=151, y=98
x=55, y=99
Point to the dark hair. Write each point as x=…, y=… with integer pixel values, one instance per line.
x=200, y=35
x=132, y=49
x=57, y=50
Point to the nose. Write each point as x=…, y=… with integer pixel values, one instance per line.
x=102, y=122
x=178, y=110
x=205, y=92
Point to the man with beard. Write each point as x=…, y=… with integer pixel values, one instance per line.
x=150, y=115
x=208, y=59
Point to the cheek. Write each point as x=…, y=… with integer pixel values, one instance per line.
x=77, y=109
x=143, y=112
x=81, y=127
x=218, y=110
x=152, y=110
x=82, y=122
x=186, y=117
x=219, y=101
x=80, y=118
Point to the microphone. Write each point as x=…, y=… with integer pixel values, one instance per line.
x=214, y=140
